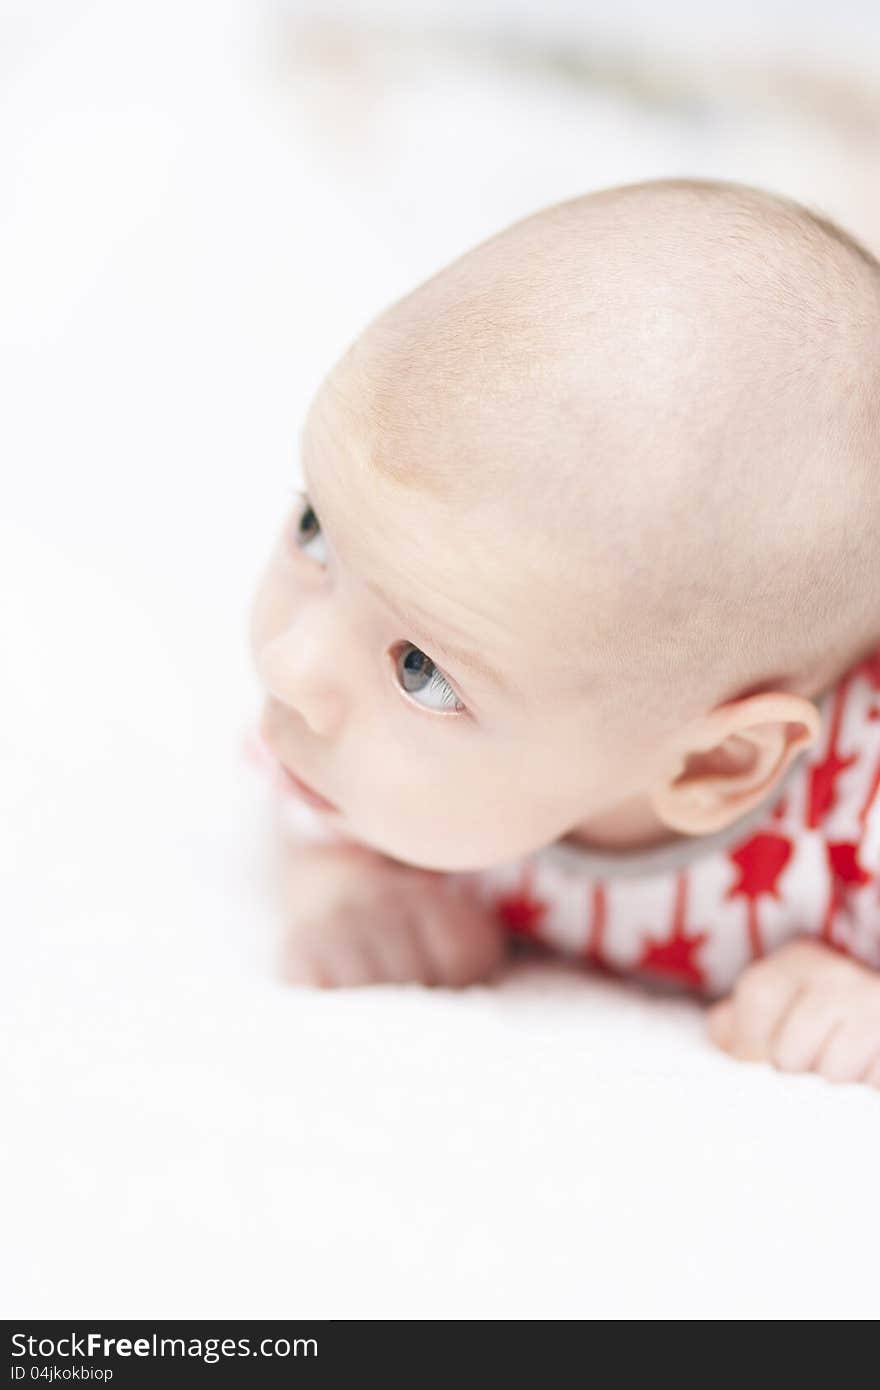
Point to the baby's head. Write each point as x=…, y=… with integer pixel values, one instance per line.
x=591, y=518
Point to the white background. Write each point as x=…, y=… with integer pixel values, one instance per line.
x=200, y=204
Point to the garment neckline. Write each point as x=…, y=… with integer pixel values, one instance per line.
x=682, y=852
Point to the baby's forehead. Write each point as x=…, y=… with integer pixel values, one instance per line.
x=469, y=564
x=489, y=380
x=524, y=477
x=499, y=478
x=610, y=398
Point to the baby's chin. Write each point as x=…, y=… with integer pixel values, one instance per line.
x=432, y=849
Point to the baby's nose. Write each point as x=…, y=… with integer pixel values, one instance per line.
x=300, y=674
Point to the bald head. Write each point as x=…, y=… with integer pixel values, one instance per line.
x=676, y=385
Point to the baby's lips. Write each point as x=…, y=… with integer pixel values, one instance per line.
x=257, y=752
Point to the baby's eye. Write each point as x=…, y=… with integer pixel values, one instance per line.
x=306, y=527
x=417, y=674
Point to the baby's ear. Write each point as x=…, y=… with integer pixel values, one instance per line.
x=730, y=760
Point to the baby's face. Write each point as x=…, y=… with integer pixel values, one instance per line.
x=417, y=659
x=561, y=500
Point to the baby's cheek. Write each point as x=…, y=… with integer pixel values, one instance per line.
x=464, y=817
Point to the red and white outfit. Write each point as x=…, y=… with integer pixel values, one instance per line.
x=693, y=914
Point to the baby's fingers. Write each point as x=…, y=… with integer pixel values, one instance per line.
x=461, y=939
x=850, y=1049
x=872, y=1076
x=806, y=1030
x=720, y=1018
x=328, y=956
x=399, y=951
x=747, y=1023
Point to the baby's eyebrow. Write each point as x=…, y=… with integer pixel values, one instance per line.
x=448, y=649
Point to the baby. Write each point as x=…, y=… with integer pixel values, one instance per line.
x=585, y=567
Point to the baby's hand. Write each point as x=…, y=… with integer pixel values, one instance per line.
x=356, y=918
x=804, y=1009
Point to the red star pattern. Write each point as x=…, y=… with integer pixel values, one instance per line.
x=594, y=951
x=870, y=797
x=599, y=917
x=846, y=874
x=760, y=861
x=521, y=911
x=675, y=958
x=844, y=860
x=870, y=668
x=822, y=778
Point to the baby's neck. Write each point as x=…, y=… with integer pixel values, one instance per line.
x=630, y=826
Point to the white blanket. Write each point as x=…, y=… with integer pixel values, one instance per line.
x=196, y=217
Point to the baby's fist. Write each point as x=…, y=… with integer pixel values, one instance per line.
x=369, y=921
x=806, y=1008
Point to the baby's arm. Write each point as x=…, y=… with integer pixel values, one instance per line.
x=355, y=917
x=806, y=1008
